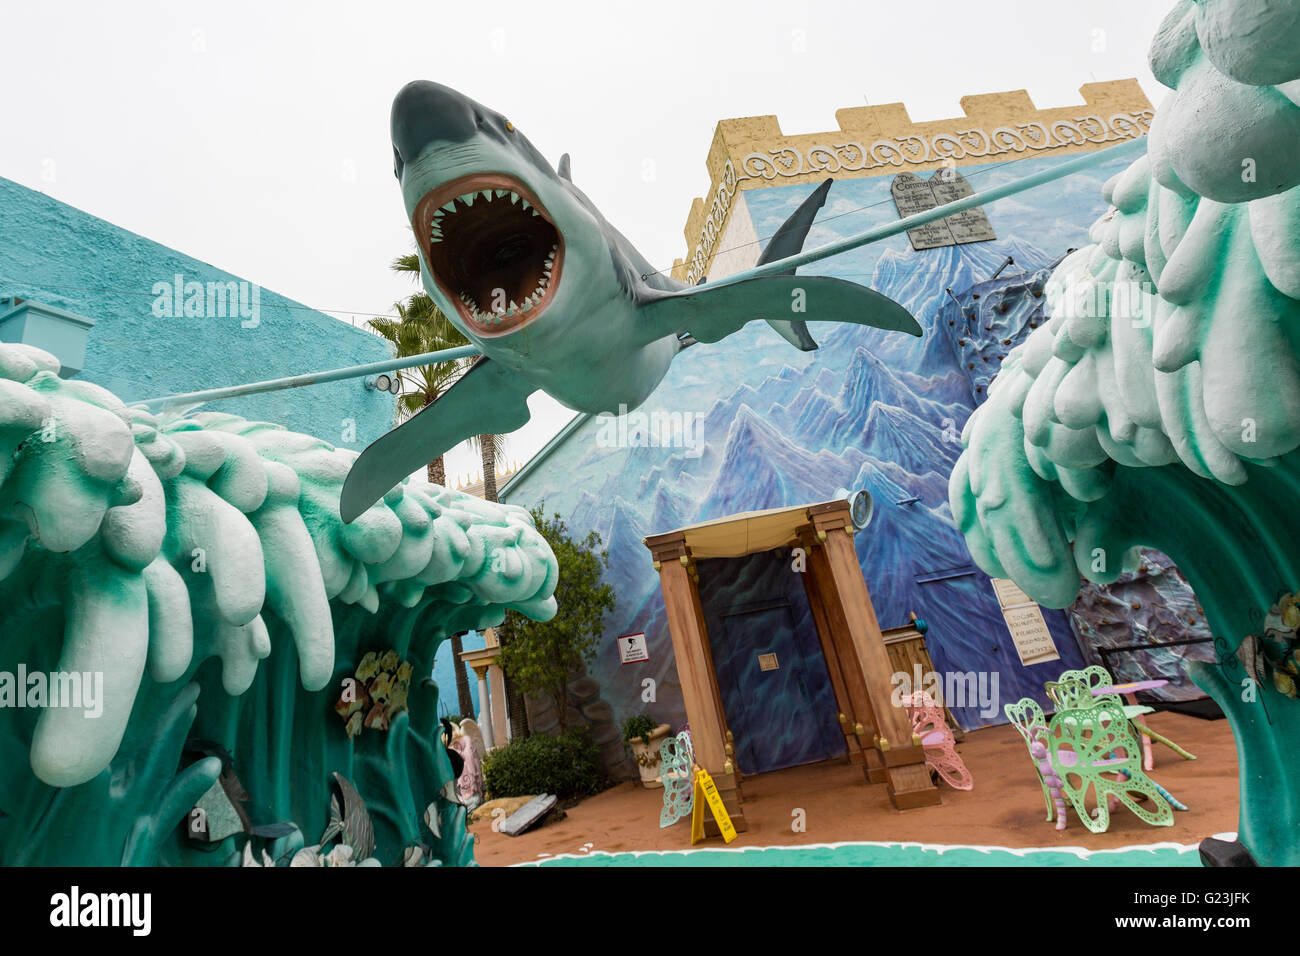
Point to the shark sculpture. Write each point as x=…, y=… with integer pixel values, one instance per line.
x=553, y=296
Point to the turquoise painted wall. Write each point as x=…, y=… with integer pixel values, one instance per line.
x=53, y=253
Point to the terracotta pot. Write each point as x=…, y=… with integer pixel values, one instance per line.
x=647, y=756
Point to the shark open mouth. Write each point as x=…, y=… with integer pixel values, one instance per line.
x=492, y=248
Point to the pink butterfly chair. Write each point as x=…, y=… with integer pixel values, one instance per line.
x=936, y=737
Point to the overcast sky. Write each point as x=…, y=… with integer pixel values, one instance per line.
x=254, y=135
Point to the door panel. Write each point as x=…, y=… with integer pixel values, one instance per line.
x=782, y=716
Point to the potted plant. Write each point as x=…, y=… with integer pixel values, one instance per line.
x=643, y=736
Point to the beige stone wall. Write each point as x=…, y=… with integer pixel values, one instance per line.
x=738, y=245
x=752, y=152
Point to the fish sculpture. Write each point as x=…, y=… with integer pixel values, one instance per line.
x=552, y=295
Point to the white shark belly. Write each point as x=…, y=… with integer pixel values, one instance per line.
x=595, y=382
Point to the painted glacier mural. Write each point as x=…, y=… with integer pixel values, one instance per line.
x=869, y=409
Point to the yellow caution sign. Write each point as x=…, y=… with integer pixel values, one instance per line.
x=706, y=791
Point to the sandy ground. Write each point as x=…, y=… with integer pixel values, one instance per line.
x=1004, y=809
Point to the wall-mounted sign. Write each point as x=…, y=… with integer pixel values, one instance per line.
x=632, y=649
x=768, y=662
x=1009, y=593
x=912, y=195
x=1025, y=621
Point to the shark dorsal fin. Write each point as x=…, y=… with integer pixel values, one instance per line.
x=564, y=171
x=788, y=241
x=703, y=313
x=789, y=238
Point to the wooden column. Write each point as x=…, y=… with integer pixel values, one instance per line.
x=843, y=702
x=728, y=745
x=844, y=595
x=857, y=707
x=695, y=666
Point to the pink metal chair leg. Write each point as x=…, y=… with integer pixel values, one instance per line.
x=1039, y=751
x=1148, y=757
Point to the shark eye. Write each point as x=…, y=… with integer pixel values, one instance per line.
x=510, y=127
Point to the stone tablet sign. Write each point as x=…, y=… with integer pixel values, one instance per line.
x=1025, y=621
x=768, y=662
x=529, y=815
x=1009, y=593
x=912, y=195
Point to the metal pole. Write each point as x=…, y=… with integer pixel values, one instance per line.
x=1086, y=161
x=314, y=378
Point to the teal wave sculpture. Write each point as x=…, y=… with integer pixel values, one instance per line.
x=1160, y=405
x=195, y=574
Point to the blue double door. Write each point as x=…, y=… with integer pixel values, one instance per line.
x=772, y=675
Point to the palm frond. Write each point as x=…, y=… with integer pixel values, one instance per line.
x=407, y=263
x=422, y=327
x=499, y=444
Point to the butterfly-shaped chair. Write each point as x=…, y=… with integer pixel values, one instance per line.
x=676, y=763
x=1028, y=718
x=1096, y=676
x=1055, y=763
x=1085, y=746
x=936, y=738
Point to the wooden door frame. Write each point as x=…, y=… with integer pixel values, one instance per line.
x=846, y=627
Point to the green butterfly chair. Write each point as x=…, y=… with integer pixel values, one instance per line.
x=676, y=772
x=1027, y=717
x=1096, y=676
x=1086, y=745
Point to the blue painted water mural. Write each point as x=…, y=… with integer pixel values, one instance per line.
x=869, y=409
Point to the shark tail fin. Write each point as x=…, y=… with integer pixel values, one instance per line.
x=787, y=241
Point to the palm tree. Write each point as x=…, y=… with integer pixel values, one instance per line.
x=430, y=382
x=489, y=448
x=421, y=327
x=421, y=306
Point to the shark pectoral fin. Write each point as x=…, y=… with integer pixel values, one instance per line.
x=710, y=313
x=487, y=400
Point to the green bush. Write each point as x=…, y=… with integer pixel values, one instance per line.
x=567, y=766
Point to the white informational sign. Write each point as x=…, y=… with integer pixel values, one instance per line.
x=1009, y=593
x=768, y=662
x=1025, y=621
x=632, y=649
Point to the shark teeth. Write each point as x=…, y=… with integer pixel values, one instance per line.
x=489, y=317
x=448, y=209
